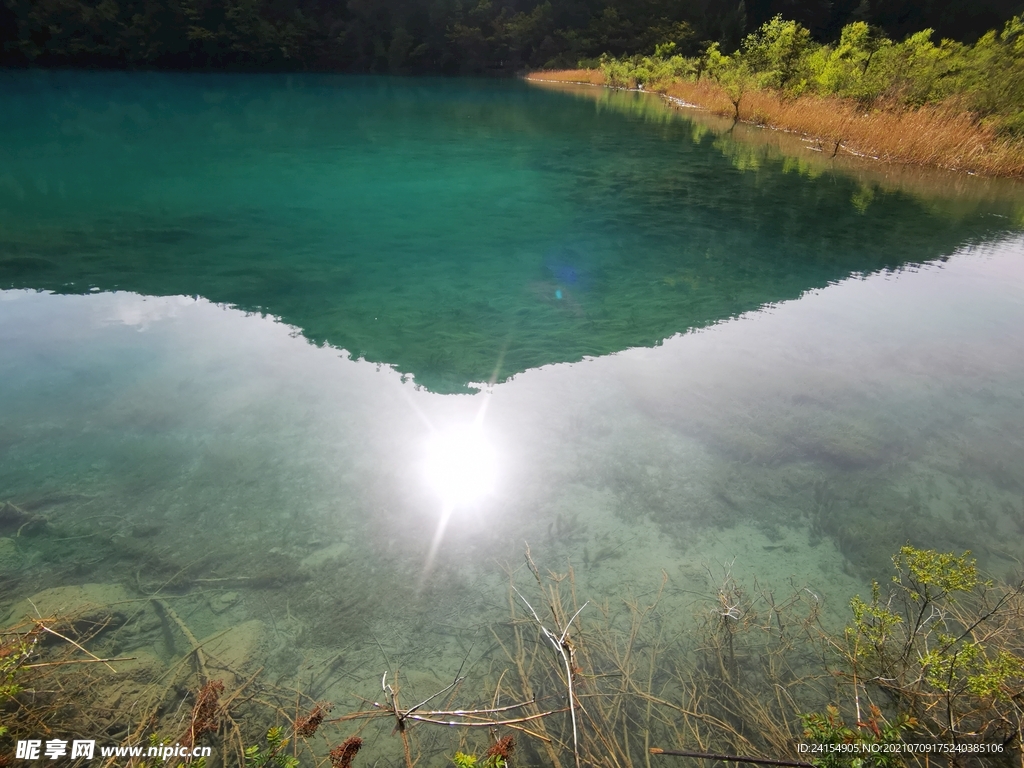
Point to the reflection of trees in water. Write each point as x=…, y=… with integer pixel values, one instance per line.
x=656, y=229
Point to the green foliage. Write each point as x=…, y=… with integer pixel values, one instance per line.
x=257, y=757
x=873, y=623
x=941, y=646
x=930, y=574
x=450, y=36
x=733, y=73
x=777, y=55
x=14, y=655
x=646, y=71
x=986, y=78
x=840, y=69
x=954, y=668
x=829, y=728
x=463, y=760
x=231, y=33
x=927, y=643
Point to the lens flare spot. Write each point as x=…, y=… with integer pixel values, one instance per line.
x=461, y=465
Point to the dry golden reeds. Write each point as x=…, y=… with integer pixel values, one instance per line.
x=744, y=679
x=586, y=76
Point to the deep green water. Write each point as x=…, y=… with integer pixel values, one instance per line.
x=233, y=309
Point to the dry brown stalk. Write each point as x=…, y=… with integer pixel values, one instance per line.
x=45, y=628
x=730, y=758
x=524, y=663
x=77, y=661
x=727, y=691
x=561, y=643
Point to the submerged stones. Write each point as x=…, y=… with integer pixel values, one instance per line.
x=131, y=685
x=238, y=651
x=10, y=557
x=14, y=520
x=319, y=557
x=106, y=605
x=223, y=601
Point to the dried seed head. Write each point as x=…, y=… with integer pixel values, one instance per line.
x=502, y=748
x=306, y=726
x=341, y=756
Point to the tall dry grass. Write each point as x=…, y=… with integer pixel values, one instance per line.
x=941, y=136
x=586, y=76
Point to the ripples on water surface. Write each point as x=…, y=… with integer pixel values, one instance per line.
x=234, y=308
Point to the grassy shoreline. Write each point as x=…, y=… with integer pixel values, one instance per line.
x=939, y=136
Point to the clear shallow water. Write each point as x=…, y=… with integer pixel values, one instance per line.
x=233, y=310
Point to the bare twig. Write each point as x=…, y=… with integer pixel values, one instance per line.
x=68, y=639
x=565, y=651
x=731, y=758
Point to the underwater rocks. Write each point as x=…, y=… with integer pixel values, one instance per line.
x=222, y=601
x=14, y=520
x=10, y=558
x=113, y=620
x=99, y=605
x=237, y=652
x=131, y=686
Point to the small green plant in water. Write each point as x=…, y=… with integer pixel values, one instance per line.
x=861, y=747
x=463, y=760
x=12, y=656
x=873, y=625
x=255, y=757
x=496, y=757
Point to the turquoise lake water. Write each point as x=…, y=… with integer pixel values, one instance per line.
x=235, y=310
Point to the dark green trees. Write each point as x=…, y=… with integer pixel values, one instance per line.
x=433, y=36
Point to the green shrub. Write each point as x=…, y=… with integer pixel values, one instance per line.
x=986, y=78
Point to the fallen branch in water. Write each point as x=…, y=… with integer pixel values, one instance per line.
x=731, y=758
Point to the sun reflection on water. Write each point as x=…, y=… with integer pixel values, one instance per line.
x=461, y=466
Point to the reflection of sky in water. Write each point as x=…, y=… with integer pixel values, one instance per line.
x=795, y=447
x=887, y=386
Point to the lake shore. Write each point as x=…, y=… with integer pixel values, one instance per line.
x=930, y=136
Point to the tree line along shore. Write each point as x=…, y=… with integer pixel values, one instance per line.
x=936, y=84
x=450, y=37
x=945, y=104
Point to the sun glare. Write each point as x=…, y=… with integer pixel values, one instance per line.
x=461, y=465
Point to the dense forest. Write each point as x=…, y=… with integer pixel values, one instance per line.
x=435, y=36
